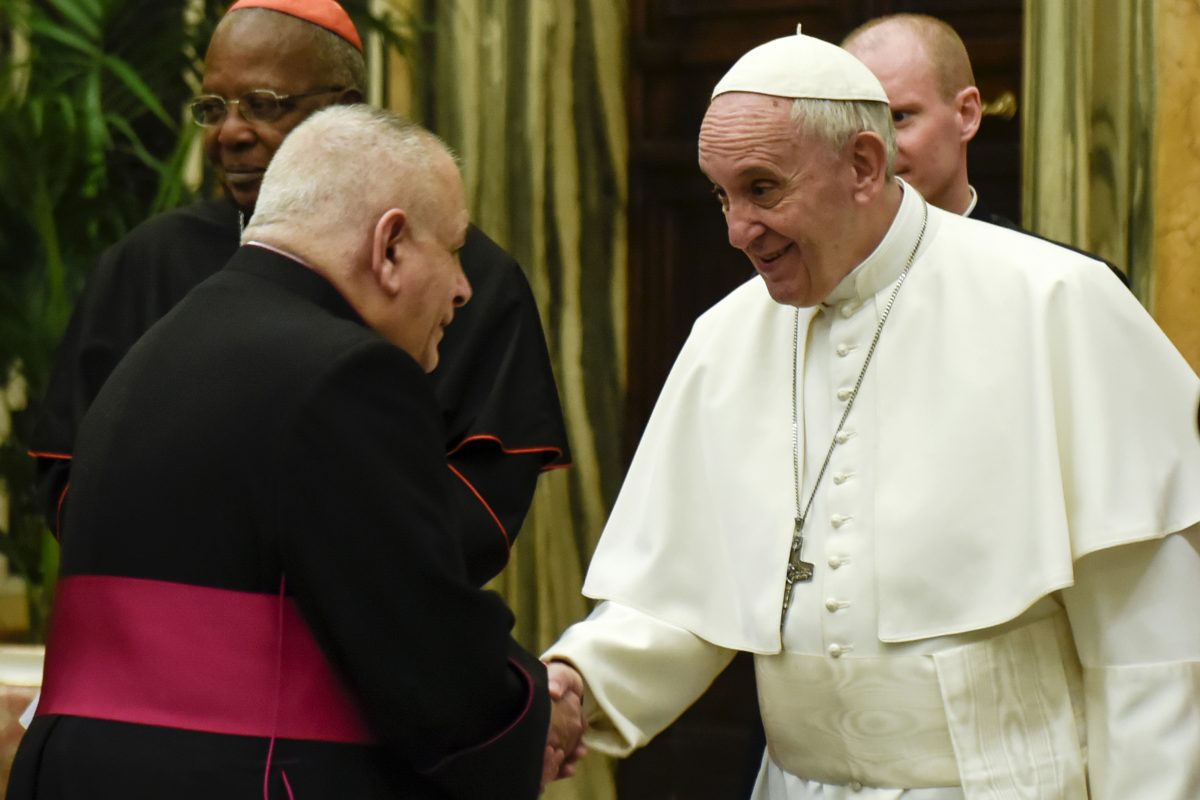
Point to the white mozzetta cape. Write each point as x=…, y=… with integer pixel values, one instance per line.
x=1030, y=412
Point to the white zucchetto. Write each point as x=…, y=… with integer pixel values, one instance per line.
x=801, y=66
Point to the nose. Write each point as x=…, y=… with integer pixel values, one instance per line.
x=234, y=129
x=744, y=226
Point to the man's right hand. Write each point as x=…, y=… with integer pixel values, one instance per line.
x=564, y=740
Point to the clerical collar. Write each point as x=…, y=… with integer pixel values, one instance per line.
x=887, y=260
x=973, y=203
x=281, y=252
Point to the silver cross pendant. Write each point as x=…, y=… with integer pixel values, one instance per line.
x=798, y=570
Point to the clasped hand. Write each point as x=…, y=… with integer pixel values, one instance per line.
x=564, y=740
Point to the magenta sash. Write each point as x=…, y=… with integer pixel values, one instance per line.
x=192, y=657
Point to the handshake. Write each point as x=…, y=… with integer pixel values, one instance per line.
x=564, y=741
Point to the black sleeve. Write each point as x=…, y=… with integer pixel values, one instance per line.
x=492, y=492
x=107, y=320
x=134, y=283
x=365, y=531
x=496, y=388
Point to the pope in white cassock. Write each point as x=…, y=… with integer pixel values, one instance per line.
x=941, y=478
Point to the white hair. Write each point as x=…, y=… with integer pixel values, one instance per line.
x=344, y=166
x=835, y=121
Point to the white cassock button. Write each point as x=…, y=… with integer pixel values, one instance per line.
x=855, y=786
x=848, y=309
x=838, y=520
x=840, y=478
x=843, y=349
x=842, y=437
x=843, y=395
x=836, y=650
x=832, y=605
x=835, y=562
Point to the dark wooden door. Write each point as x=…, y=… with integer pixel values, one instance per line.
x=681, y=263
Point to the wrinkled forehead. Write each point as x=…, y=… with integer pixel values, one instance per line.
x=255, y=45
x=744, y=124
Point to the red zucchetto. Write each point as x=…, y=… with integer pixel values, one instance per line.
x=326, y=13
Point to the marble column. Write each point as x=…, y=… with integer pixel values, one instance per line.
x=1175, y=291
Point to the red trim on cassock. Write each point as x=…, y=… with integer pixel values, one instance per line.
x=57, y=532
x=484, y=503
x=512, y=451
x=58, y=509
x=192, y=657
x=36, y=454
x=529, y=695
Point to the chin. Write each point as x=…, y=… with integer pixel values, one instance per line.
x=787, y=295
x=244, y=199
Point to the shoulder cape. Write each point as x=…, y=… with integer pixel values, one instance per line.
x=1031, y=413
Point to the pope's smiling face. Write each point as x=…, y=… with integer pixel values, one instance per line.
x=788, y=197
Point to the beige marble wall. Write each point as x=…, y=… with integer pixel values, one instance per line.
x=1175, y=295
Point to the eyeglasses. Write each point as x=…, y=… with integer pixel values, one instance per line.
x=259, y=105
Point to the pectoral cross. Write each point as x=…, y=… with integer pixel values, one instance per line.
x=798, y=570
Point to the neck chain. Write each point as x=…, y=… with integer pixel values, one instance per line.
x=799, y=570
x=241, y=223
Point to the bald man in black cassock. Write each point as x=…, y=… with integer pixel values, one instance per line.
x=259, y=593
x=495, y=386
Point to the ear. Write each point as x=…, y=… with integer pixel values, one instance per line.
x=868, y=159
x=391, y=234
x=969, y=107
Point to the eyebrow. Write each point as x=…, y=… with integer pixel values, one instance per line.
x=751, y=172
x=756, y=173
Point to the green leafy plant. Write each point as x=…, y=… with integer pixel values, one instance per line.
x=91, y=142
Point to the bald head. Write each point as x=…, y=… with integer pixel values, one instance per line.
x=924, y=69
x=938, y=45
x=347, y=164
x=375, y=204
